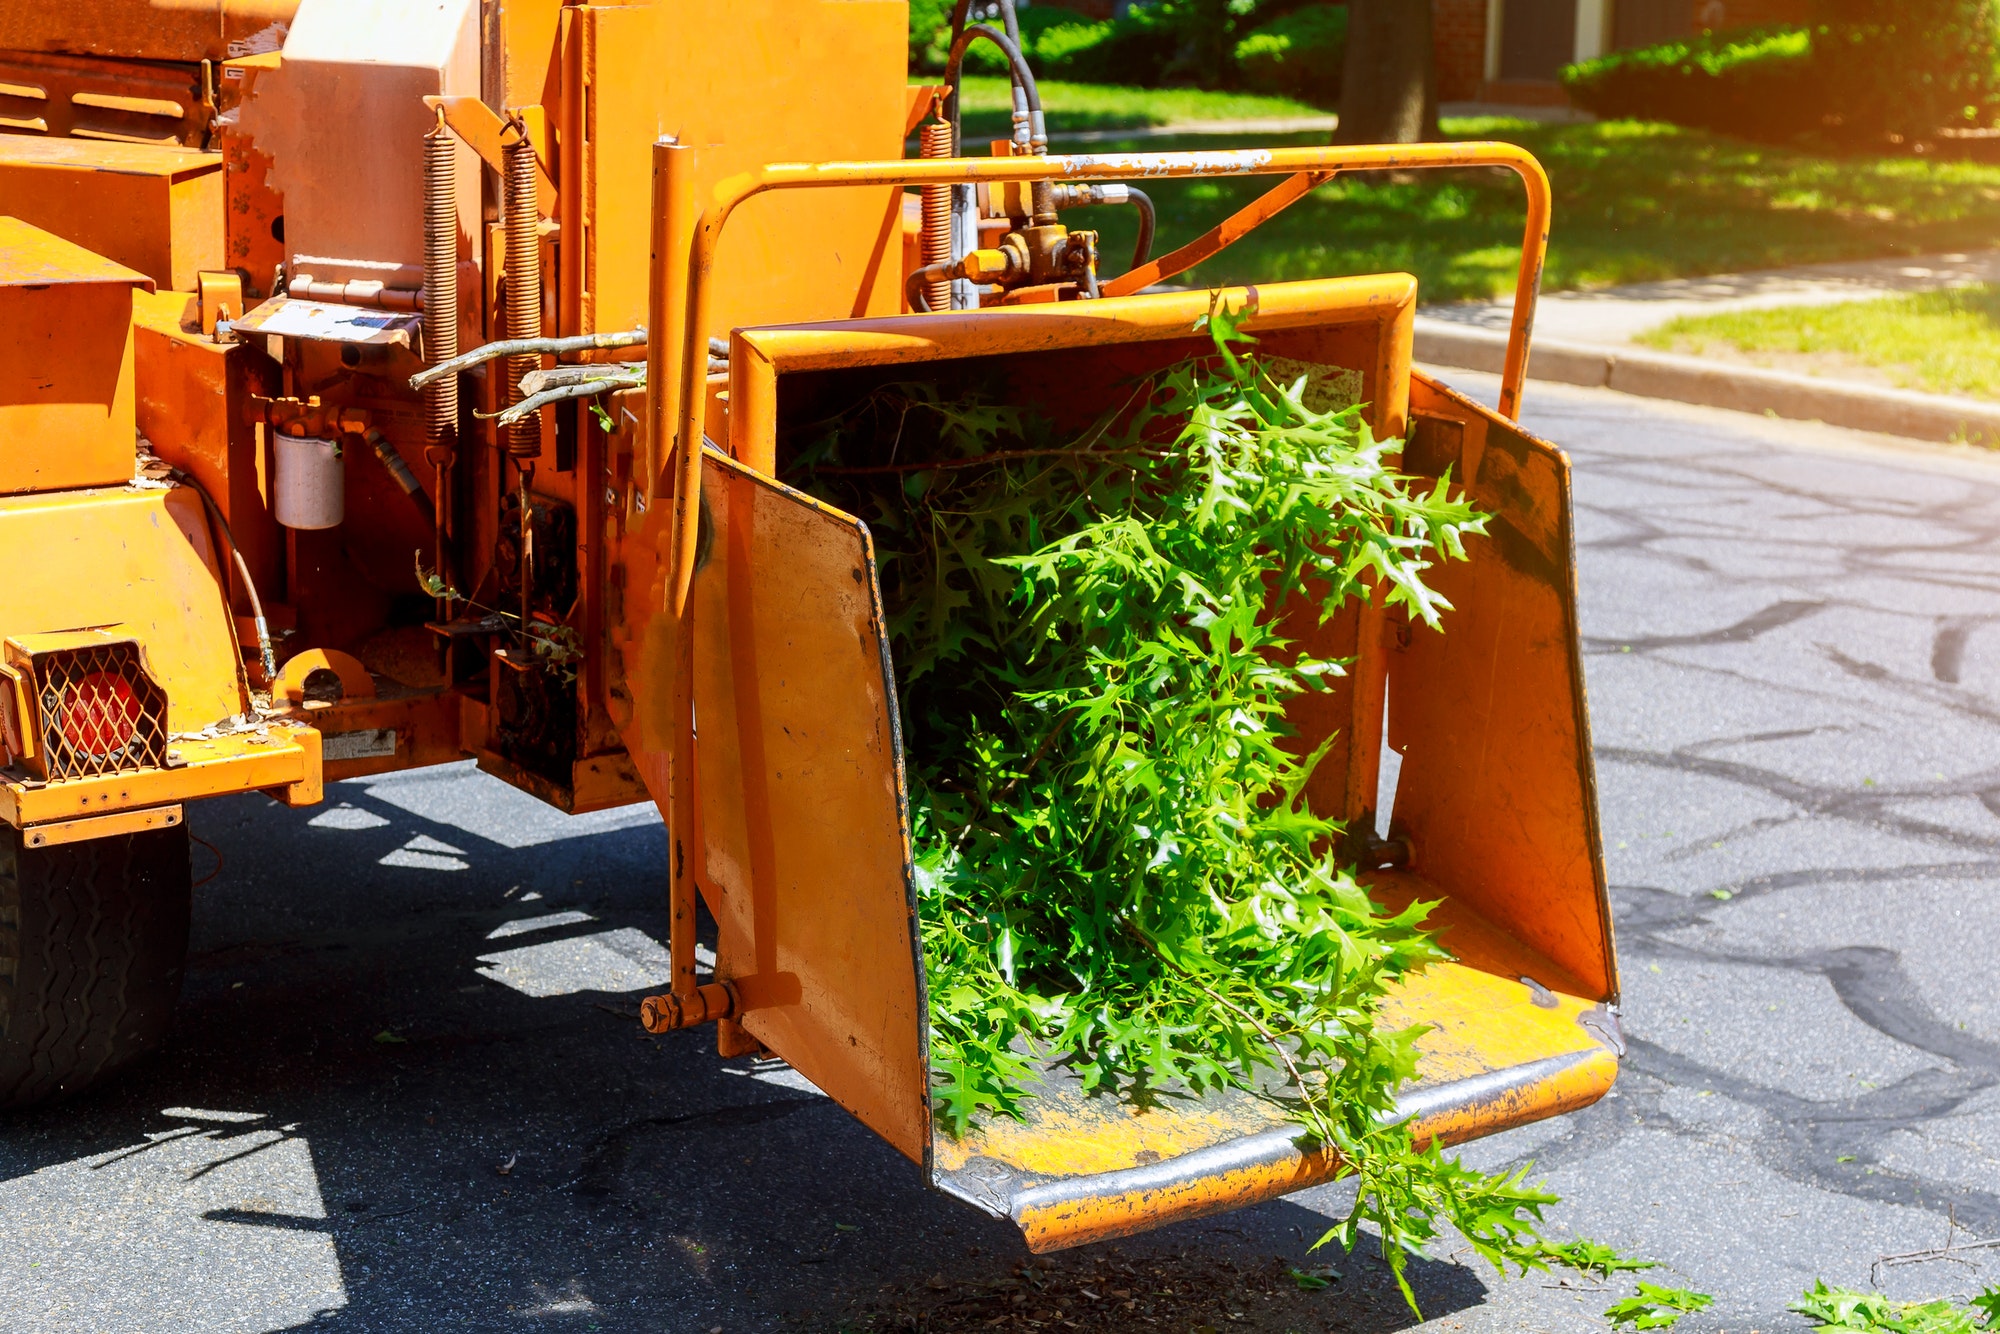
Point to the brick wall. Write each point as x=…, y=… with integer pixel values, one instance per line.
x=1458, y=31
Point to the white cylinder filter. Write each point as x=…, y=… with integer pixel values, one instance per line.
x=309, y=484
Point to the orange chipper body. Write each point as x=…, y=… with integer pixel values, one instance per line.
x=382, y=385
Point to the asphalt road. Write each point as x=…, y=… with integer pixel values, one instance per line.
x=406, y=1091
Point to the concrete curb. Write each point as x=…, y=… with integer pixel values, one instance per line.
x=1719, y=385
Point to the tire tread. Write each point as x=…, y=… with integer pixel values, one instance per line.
x=93, y=938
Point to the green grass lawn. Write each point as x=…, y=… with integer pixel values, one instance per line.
x=1944, y=342
x=1633, y=201
x=1094, y=106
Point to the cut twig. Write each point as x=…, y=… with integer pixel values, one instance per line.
x=1951, y=1250
x=527, y=407
x=515, y=347
x=534, y=382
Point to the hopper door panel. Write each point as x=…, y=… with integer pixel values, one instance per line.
x=802, y=804
x=1497, y=794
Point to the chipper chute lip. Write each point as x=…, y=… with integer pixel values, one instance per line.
x=1060, y=1212
x=1081, y=1168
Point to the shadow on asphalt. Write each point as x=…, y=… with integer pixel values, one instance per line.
x=474, y=1155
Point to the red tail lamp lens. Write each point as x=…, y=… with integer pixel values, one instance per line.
x=100, y=714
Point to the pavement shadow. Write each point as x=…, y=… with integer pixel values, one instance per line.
x=358, y=1124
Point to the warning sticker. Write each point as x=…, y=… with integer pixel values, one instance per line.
x=372, y=744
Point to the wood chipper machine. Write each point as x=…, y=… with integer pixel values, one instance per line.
x=387, y=382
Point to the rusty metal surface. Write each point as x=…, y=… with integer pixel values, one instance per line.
x=176, y=30
x=119, y=101
x=801, y=801
x=1084, y=1168
x=253, y=211
x=156, y=209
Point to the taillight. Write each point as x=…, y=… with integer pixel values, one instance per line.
x=99, y=711
x=99, y=714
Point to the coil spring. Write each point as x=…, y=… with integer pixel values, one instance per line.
x=524, y=286
x=935, y=142
x=440, y=278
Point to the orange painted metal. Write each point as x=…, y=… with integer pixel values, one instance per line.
x=150, y=208
x=1221, y=236
x=1515, y=872
x=253, y=211
x=136, y=562
x=65, y=363
x=355, y=682
x=735, y=191
x=1080, y=1168
x=1497, y=794
x=279, y=759
x=195, y=408
x=714, y=591
x=58, y=832
x=922, y=97
x=414, y=727
x=744, y=84
x=483, y=130
x=804, y=854
x=704, y=1004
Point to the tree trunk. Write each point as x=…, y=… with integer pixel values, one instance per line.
x=1388, y=92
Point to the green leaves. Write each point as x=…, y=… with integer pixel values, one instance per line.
x=1115, y=861
x=1655, y=1307
x=1873, y=1313
x=1593, y=1257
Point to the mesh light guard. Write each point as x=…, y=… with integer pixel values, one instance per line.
x=100, y=712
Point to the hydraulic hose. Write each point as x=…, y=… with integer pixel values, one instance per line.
x=1037, y=138
x=1143, y=249
x=963, y=10
x=919, y=287
x=1030, y=130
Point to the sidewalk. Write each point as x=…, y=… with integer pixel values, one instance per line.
x=1586, y=338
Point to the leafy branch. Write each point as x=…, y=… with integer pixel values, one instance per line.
x=552, y=645
x=1116, y=863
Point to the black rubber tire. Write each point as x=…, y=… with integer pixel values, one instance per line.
x=93, y=939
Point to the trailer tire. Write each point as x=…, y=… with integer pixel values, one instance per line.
x=93, y=939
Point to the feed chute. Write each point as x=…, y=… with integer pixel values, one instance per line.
x=795, y=820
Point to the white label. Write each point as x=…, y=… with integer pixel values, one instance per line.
x=378, y=743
